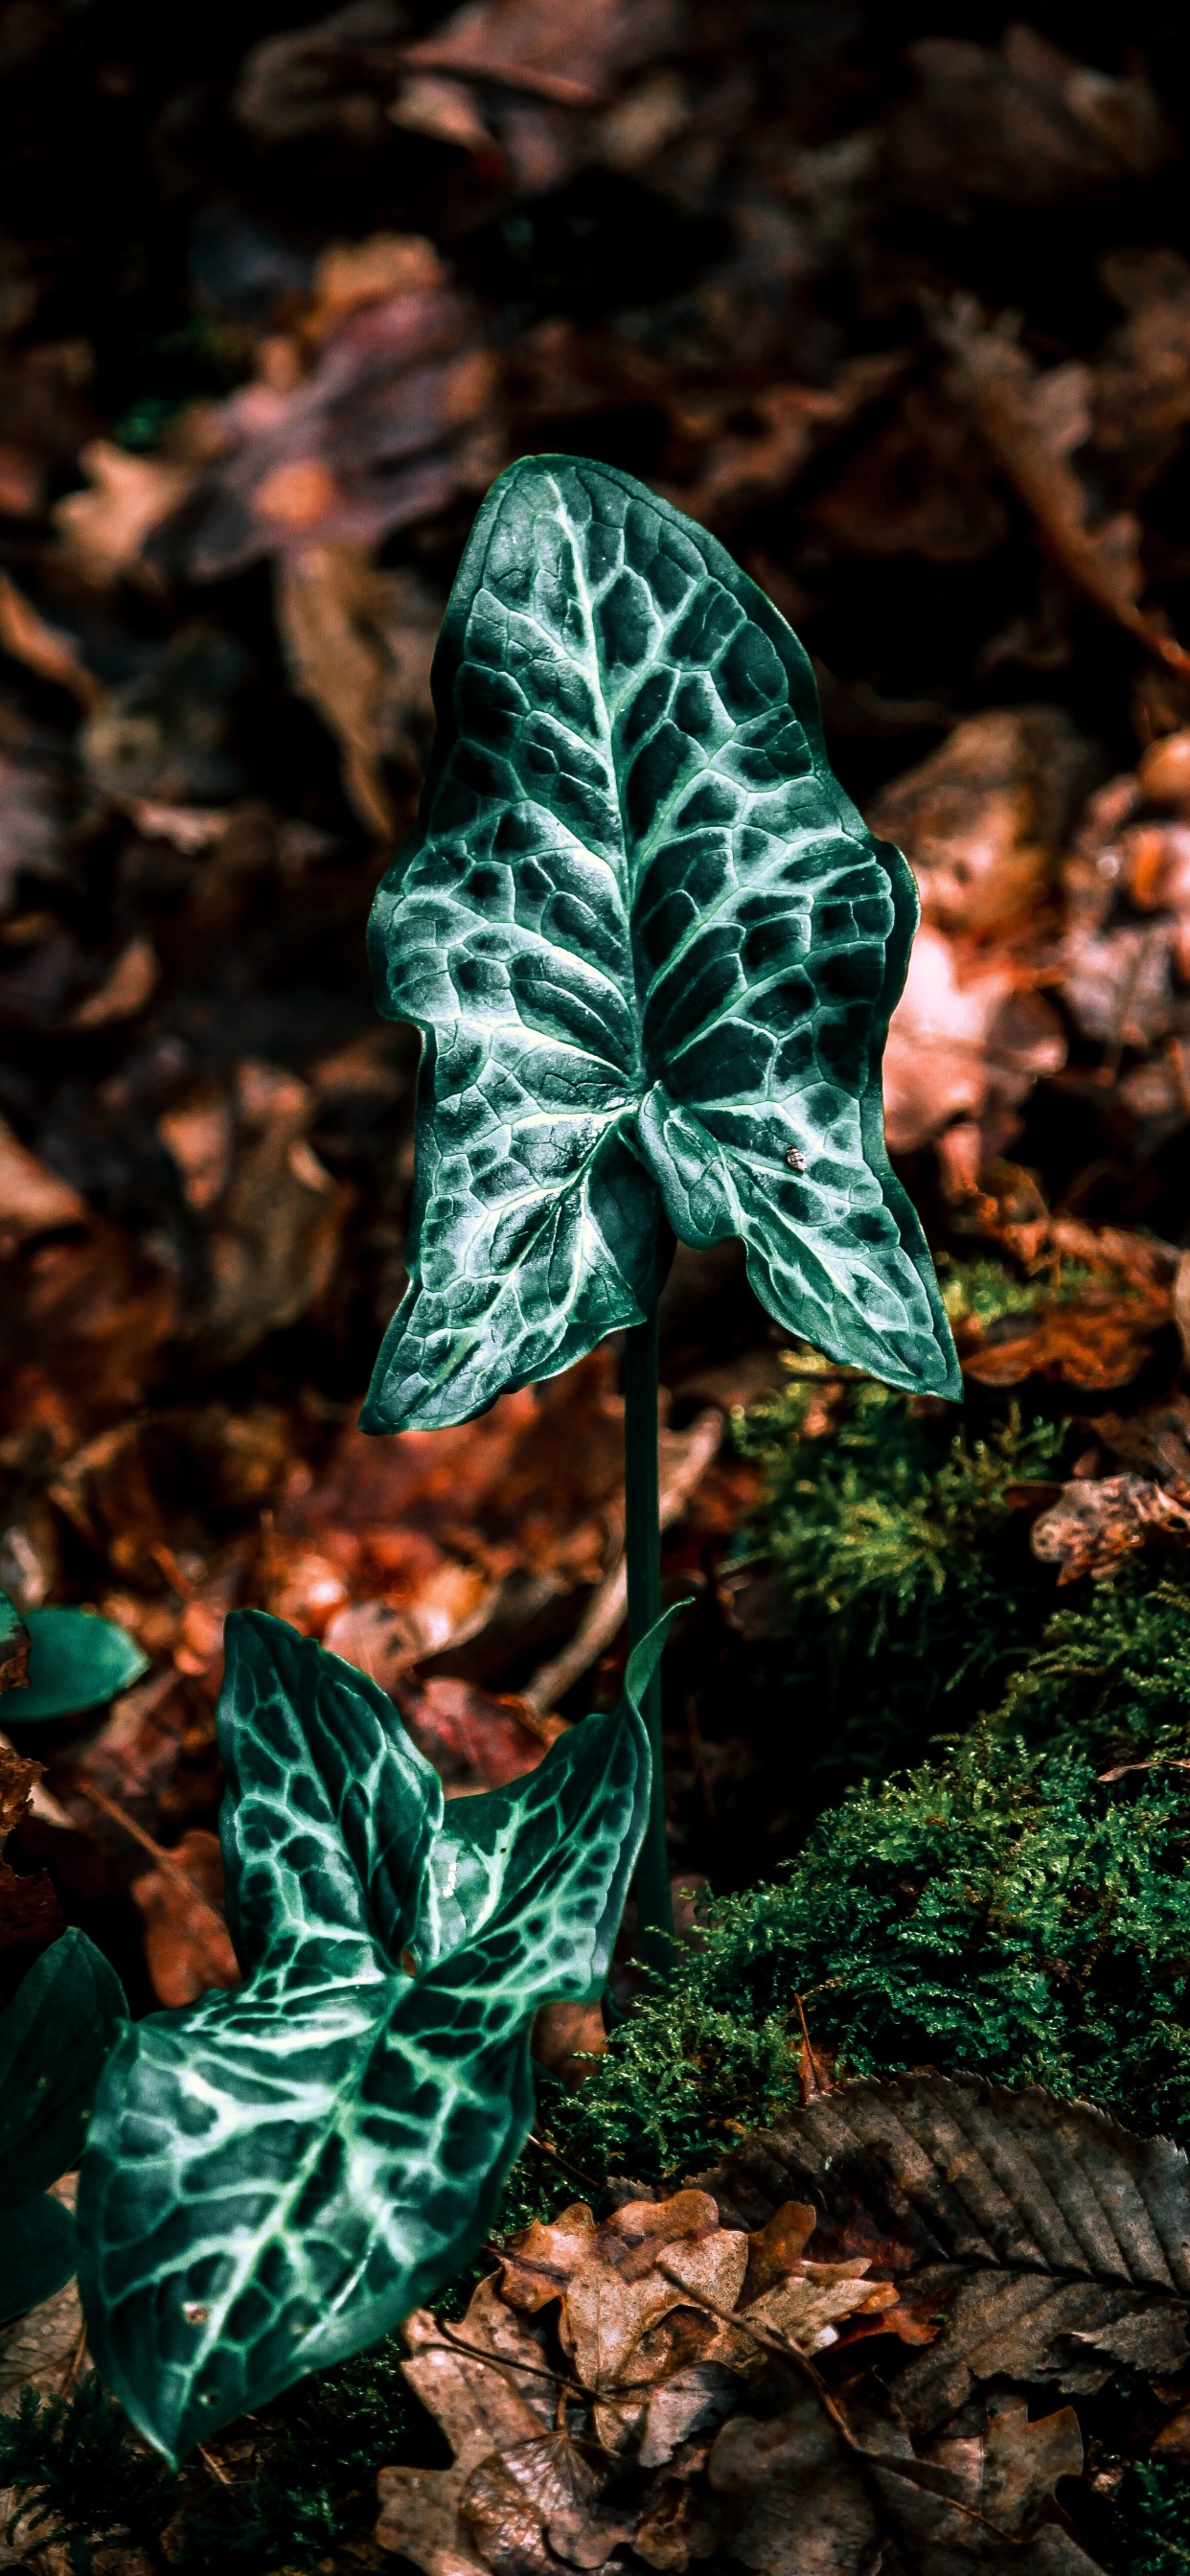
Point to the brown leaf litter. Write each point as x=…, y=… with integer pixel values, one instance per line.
x=690, y=2375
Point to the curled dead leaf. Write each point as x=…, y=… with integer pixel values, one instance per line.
x=1098, y=1521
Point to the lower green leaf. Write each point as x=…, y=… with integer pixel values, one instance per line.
x=54, y=2038
x=76, y=1661
x=275, y=2177
x=40, y=2252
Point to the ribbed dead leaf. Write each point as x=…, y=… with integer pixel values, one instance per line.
x=1053, y=2242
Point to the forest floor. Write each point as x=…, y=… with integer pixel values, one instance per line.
x=897, y=303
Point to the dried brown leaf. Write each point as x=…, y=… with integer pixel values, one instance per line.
x=1022, y=124
x=1030, y=2221
x=187, y=1944
x=966, y=1043
x=982, y=819
x=1097, y=1521
x=1033, y=424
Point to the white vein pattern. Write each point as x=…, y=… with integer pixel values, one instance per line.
x=276, y=2176
x=652, y=949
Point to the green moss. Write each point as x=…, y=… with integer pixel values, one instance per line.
x=1112, y=1674
x=904, y=1565
x=1000, y=1910
x=79, y=2480
x=1154, y=2521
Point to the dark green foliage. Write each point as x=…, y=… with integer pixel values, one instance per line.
x=314, y=2485
x=910, y=1588
x=1000, y=1911
x=1154, y=2518
x=309, y=2487
x=54, y=2038
x=77, y=2477
x=76, y=1661
x=394, y=1954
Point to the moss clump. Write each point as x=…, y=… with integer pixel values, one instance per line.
x=1112, y=1673
x=1001, y=1910
x=904, y=1564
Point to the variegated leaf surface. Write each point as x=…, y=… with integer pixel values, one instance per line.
x=274, y=2177
x=653, y=949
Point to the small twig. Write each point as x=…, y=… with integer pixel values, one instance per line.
x=165, y=1860
x=813, y=2078
x=785, y=2351
x=452, y=2342
x=588, y=2180
x=75, y=2361
x=698, y=1757
x=213, y=2466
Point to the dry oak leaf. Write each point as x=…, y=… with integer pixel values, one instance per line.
x=1154, y=1442
x=1022, y=124
x=539, y=46
x=381, y=432
x=187, y=1944
x=1033, y=424
x=1053, y=2242
x=1142, y=378
x=1099, y=1341
x=643, y=2349
x=328, y=78
x=274, y=1239
x=1099, y=1520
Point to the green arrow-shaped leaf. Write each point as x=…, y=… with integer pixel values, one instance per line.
x=653, y=950
x=54, y=2037
x=275, y=2176
x=76, y=1661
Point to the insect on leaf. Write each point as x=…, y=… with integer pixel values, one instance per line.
x=274, y=2177
x=653, y=950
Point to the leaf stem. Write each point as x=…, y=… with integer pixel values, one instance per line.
x=642, y=1548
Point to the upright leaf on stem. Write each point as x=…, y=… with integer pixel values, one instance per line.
x=653, y=951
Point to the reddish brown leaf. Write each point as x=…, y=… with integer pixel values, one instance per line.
x=187, y=1943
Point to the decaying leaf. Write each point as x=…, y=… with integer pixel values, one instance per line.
x=104, y=528
x=1046, y=2235
x=981, y=821
x=373, y=436
x=643, y=2336
x=1034, y=422
x=187, y=1944
x=1099, y=1520
x=272, y=1245
x=1021, y=123
x=967, y=1042
x=682, y=2379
